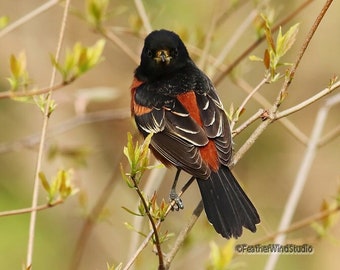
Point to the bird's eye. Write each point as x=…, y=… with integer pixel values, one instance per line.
x=175, y=52
x=149, y=53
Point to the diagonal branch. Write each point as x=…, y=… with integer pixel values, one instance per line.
x=42, y=144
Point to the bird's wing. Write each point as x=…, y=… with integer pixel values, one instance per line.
x=177, y=137
x=215, y=124
x=189, y=132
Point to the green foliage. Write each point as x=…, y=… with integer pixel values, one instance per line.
x=60, y=188
x=19, y=76
x=323, y=227
x=95, y=12
x=138, y=157
x=221, y=257
x=112, y=267
x=45, y=105
x=276, y=49
x=79, y=60
x=4, y=20
x=77, y=154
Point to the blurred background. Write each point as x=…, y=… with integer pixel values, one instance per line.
x=92, y=144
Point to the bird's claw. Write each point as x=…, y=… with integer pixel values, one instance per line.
x=178, y=201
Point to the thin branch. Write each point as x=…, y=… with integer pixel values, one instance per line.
x=299, y=225
x=91, y=219
x=233, y=40
x=153, y=225
x=13, y=94
x=246, y=52
x=301, y=176
x=225, y=15
x=29, y=16
x=30, y=209
x=153, y=182
x=308, y=102
x=208, y=40
x=251, y=120
x=250, y=141
x=148, y=237
x=290, y=76
x=142, y=14
x=110, y=35
x=329, y=136
x=35, y=197
x=72, y=123
x=289, y=125
x=245, y=101
x=183, y=234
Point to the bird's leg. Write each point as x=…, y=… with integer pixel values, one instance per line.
x=173, y=194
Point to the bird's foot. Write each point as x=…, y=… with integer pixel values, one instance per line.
x=178, y=201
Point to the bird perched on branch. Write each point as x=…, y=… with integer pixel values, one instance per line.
x=173, y=99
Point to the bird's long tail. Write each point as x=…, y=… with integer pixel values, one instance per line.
x=227, y=206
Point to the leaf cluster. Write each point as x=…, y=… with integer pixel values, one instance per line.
x=60, y=187
x=79, y=60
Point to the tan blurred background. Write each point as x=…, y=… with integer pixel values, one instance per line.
x=267, y=171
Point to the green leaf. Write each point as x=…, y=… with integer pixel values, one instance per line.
x=44, y=181
x=286, y=41
x=41, y=101
x=19, y=75
x=4, y=20
x=112, y=267
x=255, y=58
x=96, y=12
x=132, y=212
x=221, y=257
x=79, y=60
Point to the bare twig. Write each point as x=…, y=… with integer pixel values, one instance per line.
x=183, y=234
x=110, y=35
x=29, y=16
x=153, y=225
x=329, y=136
x=289, y=125
x=12, y=94
x=72, y=123
x=309, y=101
x=251, y=120
x=299, y=225
x=246, y=52
x=153, y=182
x=245, y=101
x=301, y=176
x=42, y=144
x=231, y=43
x=92, y=218
x=30, y=209
x=148, y=237
x=142, y=14
x=290, y=76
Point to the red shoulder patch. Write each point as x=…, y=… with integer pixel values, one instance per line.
x=137, y=109
x=209, y=151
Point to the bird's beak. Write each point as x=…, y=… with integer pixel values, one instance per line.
x=163, y=56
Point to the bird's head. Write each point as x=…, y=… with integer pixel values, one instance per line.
x=163, y=53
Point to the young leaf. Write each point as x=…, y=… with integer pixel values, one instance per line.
x=19, y=75
x=4, y=21
x=96, y=12
x=286, y=41
x=44, y=181
x=221, y=257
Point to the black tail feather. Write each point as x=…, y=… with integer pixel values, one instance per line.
x=227, y=206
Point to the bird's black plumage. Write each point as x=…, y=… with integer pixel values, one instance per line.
x=173, y=99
